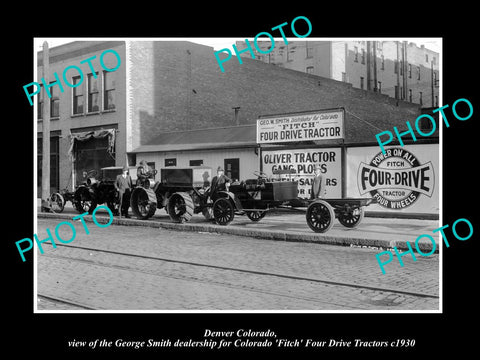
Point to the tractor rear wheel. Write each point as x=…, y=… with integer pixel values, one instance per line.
x=180, y=207
x=143, y=203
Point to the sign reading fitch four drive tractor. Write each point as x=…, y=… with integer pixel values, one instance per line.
x=319, y=125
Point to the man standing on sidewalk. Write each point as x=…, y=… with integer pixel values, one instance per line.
x=123, y=184
x=318, y=189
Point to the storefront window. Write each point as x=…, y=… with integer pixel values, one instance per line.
x=92, y=155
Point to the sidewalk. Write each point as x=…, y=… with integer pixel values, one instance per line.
x=384, y=233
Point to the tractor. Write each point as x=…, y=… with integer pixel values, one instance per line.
x=185, y=191
x=181, y=191
x=94, y=191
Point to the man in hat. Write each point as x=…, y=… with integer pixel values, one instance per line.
x=123, y=184
x=143, y=171
x=220, y=182
x=317, y=190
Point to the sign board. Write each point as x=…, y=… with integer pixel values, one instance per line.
x=303, y=162
x=403, y=179
x=322, y=125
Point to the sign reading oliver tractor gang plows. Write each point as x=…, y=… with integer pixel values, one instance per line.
x=324, y=125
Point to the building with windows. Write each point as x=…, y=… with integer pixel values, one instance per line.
x=398, y=69
x=85, y=118
x=170, y=104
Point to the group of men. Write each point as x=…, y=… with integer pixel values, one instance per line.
x=220, y=182
x=123, y=184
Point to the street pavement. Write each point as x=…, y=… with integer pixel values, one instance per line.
x=374, y=232
x=148, y=268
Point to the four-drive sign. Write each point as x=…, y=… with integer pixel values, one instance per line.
x=321, y=125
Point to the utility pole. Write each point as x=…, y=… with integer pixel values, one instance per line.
x=433, y=85
x=397, y=95
x=46, y=135
x=404, y=70
x=375, y=88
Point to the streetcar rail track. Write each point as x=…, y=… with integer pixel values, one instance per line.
x=249, y=271
x=64, y=301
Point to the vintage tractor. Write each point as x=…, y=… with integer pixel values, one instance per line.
x=185, y=191
x=95, y=191
x=181, y=191
x=253, y=197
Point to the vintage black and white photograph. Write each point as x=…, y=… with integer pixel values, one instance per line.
x=268, y=174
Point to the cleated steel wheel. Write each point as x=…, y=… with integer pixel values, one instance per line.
x=320, y=216
x=143, y=203
x=351, y=217
x=223, y=211
x=180, y=207
x=256, y=215
x=56, y=202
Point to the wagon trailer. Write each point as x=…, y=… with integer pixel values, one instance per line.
x=183, y=192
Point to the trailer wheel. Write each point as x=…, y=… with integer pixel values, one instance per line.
x=223, y=211
x=143, y=202
x=320, y=216
x=180, y=207
x=256, y=215
x=352, y=217
x=56, y=202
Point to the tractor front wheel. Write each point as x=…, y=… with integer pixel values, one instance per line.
x=320, y=216
x=223, y=211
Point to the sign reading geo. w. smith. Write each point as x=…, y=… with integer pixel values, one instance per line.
x=321, y=125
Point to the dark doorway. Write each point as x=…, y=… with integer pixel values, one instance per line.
x=232, y=168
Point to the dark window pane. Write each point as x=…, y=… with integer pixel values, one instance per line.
x=78, y=104
x=196, y=162
x=93, y=100
x=54, y=108
x=109, y=100
x=170, y=162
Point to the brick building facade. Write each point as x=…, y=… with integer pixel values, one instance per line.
x=399, y=69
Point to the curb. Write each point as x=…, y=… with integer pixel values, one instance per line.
x=269, y=234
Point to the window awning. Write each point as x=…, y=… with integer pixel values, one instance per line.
x=87, y=135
